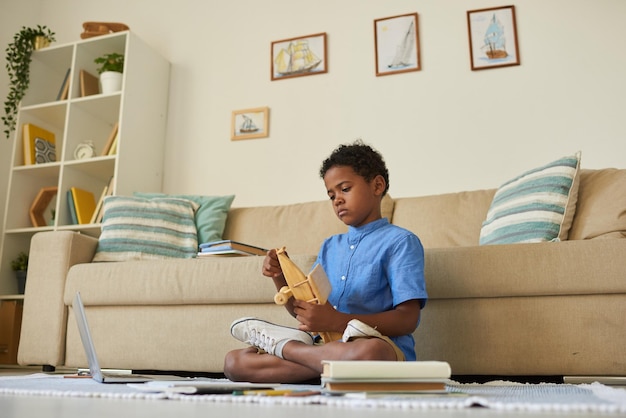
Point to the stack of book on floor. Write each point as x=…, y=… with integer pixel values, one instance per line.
x=339, y=377
x=229, y=247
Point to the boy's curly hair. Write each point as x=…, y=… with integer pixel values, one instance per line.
x=364, y=160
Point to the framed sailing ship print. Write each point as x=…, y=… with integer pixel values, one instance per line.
x=250, y=123
x=297, y=57
x=397, y=46
x=492, y=38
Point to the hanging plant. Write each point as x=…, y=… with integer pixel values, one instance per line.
x=18, y=57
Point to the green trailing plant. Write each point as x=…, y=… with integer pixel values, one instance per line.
x=21, y=262
x=18, y=57
x=110, y=62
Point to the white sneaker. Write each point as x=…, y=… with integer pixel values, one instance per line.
x=267, y=336
x=357, y=329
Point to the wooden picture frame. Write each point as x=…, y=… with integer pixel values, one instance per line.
x=397, y=46
x=250, y=123
x=297, y=57
x=492, y=38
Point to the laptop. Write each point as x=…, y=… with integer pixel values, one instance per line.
x=90, y=350
x=171, y=384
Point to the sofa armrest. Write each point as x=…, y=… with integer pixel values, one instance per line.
x=42, y=339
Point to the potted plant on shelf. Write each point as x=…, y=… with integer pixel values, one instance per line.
x=110, y=70
x=18, y=57
x=20, y=266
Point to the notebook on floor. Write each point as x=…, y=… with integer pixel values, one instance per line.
x=90, y=350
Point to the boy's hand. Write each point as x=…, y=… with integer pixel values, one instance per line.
x=271, y=265
x=317, y=318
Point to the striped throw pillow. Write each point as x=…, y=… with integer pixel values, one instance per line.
x=147, y=229
x=536, y=206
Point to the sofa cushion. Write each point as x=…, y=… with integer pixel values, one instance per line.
x=210, y=215
x=216, y=280
x=536, y=206
x=301, y=227
x=135, y=229
x=446, y=220
x=601, y=207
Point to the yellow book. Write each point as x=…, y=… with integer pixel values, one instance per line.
x=85, y=204
x=30, y=133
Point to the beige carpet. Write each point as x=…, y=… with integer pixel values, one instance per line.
x=505, y=396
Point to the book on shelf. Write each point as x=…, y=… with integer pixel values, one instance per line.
x=84, y=204
x=71, y=208
x=30, y=134
x=113, y=148
x=99, y=211
x=107, y=146
x=45, y=152
x=89, y=84
x=223, y=247
x=65, y=87
x=385, y=376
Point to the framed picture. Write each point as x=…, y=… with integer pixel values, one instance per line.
x=397, y=47
x=492, y=37
x=250, y=123
x=298, y=57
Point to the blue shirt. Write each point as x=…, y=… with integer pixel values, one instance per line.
x=372, y=269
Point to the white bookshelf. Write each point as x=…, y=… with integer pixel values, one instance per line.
x=140, y=108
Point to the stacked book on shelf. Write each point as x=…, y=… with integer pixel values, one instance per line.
x=98, y=213
x=81, y=204
x=83, y=207
x=110, y=147
x=342, y=376
x=229, y=247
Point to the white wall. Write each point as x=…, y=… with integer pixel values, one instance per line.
x=442, y=129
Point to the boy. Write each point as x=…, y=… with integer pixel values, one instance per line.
x=376, y=270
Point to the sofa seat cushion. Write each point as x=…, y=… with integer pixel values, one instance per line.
x=534, y=269
x=601, y=208
x=219, y=280
x=446, y=220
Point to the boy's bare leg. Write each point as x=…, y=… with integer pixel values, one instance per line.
x=247, y=365
x=301, y=361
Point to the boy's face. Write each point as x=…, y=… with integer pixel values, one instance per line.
x=356, y=202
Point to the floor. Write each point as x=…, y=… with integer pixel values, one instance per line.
x=53, y=407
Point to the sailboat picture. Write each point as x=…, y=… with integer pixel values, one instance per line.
x=299, y=56
x=493, y=37
x=397, y=44
x=250, y=123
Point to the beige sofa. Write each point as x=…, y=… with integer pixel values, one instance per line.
x=555, y=308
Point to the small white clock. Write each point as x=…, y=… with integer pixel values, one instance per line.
x=84, y=150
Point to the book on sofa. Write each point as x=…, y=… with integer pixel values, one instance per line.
x=226, y=247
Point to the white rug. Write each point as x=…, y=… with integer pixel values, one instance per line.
x=505, y=396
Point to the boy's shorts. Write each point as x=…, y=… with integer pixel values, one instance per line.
x=357, y=329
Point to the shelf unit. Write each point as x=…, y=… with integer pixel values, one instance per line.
x=140, y=108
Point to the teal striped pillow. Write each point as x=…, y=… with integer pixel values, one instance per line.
x=537, y=206
x=147, y=229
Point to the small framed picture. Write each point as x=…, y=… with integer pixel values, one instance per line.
x=296, y=57
x=492, y=37
x=397, y=47
x=250, y=123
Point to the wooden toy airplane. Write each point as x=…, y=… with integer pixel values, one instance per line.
x=313, y=288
